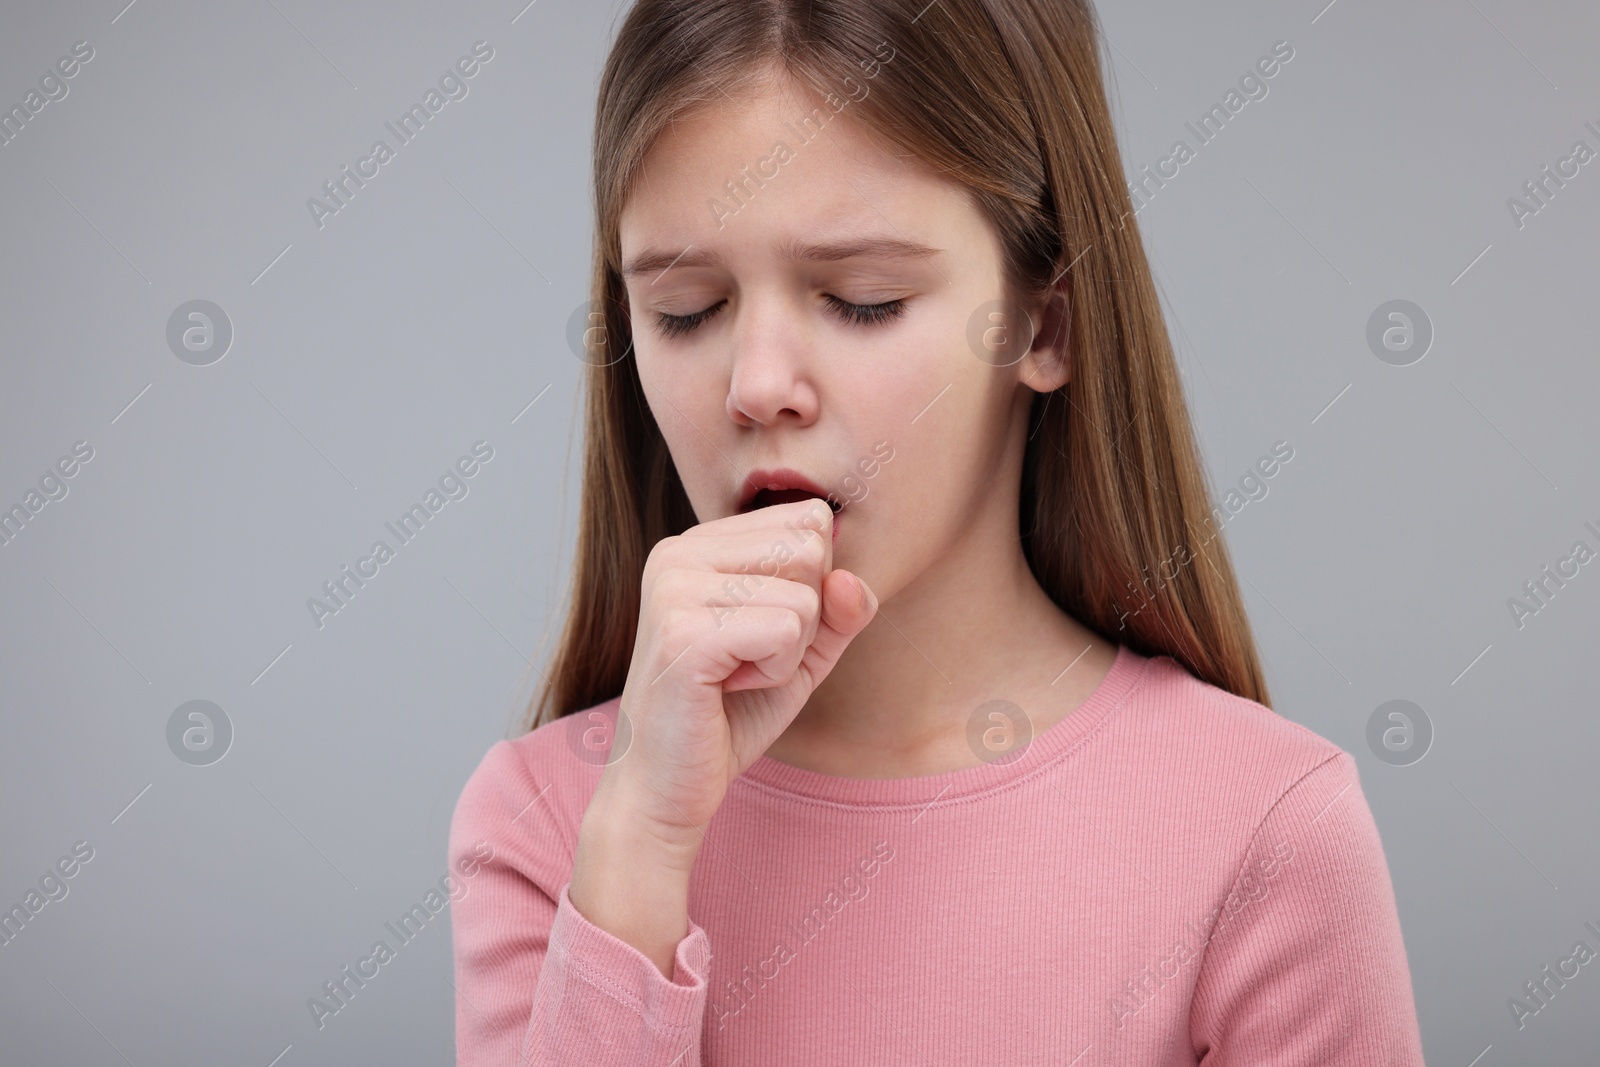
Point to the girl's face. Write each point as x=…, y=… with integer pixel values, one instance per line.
x=820, y=321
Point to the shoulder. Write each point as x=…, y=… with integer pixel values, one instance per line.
x=1218, y=748
x=526, y=798
x=1242, y=791
x=1233, y=729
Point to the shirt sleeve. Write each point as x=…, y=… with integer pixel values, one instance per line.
x=537, y=984
x=1304, y=962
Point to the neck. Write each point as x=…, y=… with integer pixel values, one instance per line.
x=975, y=626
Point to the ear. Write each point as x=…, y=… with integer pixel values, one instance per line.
x=1048, y=362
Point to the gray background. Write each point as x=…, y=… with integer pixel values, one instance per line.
x=428, y=314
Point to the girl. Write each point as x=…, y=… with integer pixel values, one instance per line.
x=906, y=710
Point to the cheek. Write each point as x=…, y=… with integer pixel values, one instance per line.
x=945, y=450
x=904, y=371
x=685, y=413
x=674, y=386
x=688, y=412
x=908, y=401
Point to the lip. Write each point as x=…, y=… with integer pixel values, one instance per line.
x=782, y=478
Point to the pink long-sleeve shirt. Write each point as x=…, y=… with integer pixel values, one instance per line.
x=1171, y=874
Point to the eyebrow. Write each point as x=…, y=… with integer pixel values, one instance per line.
x=792, y=250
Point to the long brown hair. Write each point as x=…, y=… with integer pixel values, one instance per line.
x=1005, y=98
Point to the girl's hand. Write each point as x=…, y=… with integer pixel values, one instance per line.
x=740, y=619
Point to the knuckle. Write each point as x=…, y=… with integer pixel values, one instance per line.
x=663, y=552
x=671, y=587
x=664, y=583
x=661, y=548
x=678, y=626
x=794, y=628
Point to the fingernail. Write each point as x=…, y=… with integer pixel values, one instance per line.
x=867, y=599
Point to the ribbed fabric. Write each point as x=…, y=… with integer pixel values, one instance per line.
x=1169, y=875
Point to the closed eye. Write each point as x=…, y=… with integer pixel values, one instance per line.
x=678, y=325
x=866, y=314
x=854, y=314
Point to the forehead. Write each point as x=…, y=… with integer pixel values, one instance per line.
x=775, y=164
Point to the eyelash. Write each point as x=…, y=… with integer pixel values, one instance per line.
x=855, y=314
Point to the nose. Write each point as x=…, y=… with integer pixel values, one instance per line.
x=772, y=371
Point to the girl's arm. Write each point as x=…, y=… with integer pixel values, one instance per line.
x=577, y=947
x=630, y=880
x=1305, y=964
x=538, y=984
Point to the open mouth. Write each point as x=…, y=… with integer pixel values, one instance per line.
x=764, y=487
x=768, y=497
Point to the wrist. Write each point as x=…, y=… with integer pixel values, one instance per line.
x=631, y=878
x=622, y=817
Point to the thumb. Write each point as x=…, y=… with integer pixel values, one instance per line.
x=847, y=607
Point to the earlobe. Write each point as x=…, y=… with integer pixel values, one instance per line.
x=1048, y=364
x=1047, y=370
